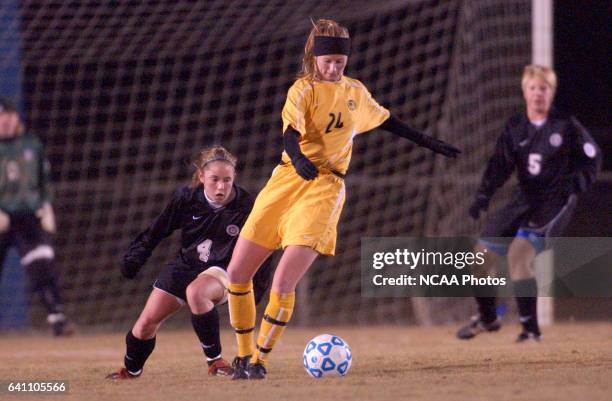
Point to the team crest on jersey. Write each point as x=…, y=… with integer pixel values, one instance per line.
x=28, y=155
x=556, y=139
x=589, y=150
x=232, y=230
x=352, y=105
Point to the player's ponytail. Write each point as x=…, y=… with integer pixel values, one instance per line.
x=323, y=27
x=208, y=155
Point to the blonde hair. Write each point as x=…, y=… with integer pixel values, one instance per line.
x=209, y=155
x=323, y=27
x=547, y=74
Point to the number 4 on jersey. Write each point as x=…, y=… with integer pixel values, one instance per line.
x=204, y=250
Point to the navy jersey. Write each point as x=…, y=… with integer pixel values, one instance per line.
x=208, y=235
x=556, y=159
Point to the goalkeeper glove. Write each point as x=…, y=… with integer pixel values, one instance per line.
x=304, y=167
x=47, y=218
x=481, y=203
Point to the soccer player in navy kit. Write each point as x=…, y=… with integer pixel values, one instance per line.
x=210, y=213
x=555, y=159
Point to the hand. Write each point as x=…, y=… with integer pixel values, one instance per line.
x=481, y=203
x=5, y=222
x=305, y=168
x=129, y=269
x=443, y=148
x=47, y=218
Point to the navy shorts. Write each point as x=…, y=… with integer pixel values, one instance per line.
x=534, y=221
x=176, y=276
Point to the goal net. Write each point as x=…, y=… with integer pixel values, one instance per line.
x=124, y=93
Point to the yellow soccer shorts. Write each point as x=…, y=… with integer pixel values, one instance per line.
x=293, y=211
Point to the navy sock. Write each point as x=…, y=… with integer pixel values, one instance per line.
x=487, y=308
x=44, y=281
x=137, y=352
x=206, y=327
x=527, y=301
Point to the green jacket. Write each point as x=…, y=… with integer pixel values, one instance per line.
x=24, y=174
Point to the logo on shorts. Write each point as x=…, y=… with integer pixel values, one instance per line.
x=232, y=230
x=352, y=105
x=556, y=139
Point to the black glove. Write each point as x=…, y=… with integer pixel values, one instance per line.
x=130, y=269
x=481, y=203
x=304, y=167
x=443, y=148
x=396, y=126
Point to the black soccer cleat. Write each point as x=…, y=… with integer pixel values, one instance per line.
x=477, y=326
x=240, y=366
x=60, y=325
x=256, y=371
x=526, y=336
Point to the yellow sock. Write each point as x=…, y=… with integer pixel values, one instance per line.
x=277, y=315
x=242, y=316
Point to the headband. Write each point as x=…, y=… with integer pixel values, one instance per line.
x=219, y=158
x=331, y=45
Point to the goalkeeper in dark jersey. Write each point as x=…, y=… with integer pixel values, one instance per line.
x=555, y=159
x=26, y=215
x=210, y=213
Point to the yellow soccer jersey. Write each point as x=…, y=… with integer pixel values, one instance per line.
x=328, y=115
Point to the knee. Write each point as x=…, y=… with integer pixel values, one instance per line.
x=145, y=327
x=198, y=301
x=520, y=257
x=237, y=275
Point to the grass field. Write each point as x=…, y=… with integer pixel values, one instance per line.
x=574, y=362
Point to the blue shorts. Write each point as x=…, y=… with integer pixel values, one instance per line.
x=534, y=222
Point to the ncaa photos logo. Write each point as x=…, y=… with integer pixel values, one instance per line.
x=232, y=230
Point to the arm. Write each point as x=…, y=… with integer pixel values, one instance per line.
x=499, y=169
x=141, y=248
x=45, y=212
x=398, y=127
x=588, y=158
x=303, y=166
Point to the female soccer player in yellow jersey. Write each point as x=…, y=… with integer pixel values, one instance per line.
x=299, y=207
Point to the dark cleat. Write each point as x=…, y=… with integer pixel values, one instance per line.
x=256, y=371
x=526, y=336
x=60, y=325
x=477, y=326
x=240, y=366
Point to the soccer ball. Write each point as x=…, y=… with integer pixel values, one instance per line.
x=327, y=355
